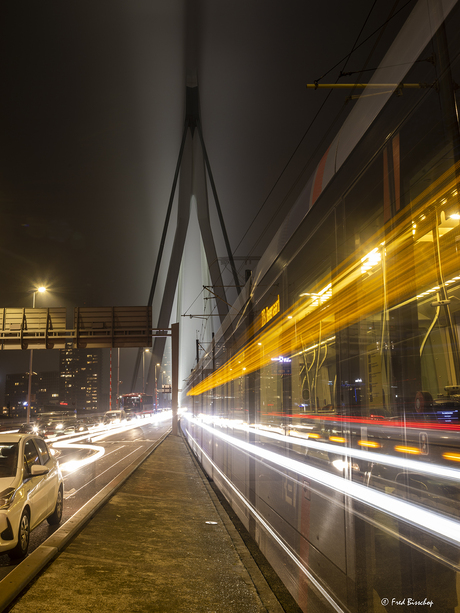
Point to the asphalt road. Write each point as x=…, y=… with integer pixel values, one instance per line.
x=87, y=468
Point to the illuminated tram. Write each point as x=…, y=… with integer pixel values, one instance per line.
x=328, y=408
x=137, y=405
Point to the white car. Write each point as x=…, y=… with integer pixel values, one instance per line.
x=114, y=417
x=31, y=490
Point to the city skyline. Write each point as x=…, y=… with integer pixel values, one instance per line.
x=77, y=385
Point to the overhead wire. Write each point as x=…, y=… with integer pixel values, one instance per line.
x=392, y=15
x=355, y=46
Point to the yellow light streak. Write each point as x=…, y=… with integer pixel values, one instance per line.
x=451, y=456
x=372, y=444
x=346, y=296
x=405, y=449
x=337, y=439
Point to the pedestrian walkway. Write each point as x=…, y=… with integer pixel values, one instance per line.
x=163, y=543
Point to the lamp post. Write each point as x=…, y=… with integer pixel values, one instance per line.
x=143, y=369
x=41, y=290
x=118, y=379
x=156, y=387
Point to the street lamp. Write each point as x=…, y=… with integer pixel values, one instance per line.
x=41, y=290
x=156, y=387
x=143, y=369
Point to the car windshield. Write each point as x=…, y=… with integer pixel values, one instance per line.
x=8, y=459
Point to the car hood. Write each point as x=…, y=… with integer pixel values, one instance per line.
x=6, y=482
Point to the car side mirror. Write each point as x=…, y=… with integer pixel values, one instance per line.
x=37, y=469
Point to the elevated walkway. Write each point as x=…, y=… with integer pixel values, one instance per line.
x=163, y=542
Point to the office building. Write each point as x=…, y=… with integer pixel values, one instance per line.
x=80, y=378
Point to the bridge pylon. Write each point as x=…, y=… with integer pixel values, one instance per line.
x=193, y=171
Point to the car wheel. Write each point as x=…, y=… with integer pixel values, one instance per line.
x=20, y=551
x=55, y=517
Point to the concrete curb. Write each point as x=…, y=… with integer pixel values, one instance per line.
x=18, y=579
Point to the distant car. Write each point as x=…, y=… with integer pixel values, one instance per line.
x=78, y=429
x=56, y=428
x=114, y=417
x=31, y=490
x=55, y=417
x=93, y=422
x=31, y=428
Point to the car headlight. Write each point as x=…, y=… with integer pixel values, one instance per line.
x=7, y=497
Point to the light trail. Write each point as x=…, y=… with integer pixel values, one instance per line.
x=435, y=470
x=271, y=531
x=349, y=294
x=102, y=473
x=106, y=455
x=131, y=425
x=72, y=441
x=431, y=522
x=74, y=465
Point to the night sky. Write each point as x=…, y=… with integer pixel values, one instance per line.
x=91, y=114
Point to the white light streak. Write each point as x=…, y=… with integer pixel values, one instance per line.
x=370, y=260
x=271, y=531
x=72, y=441
x=74, y=465
x=431, y=522
x=435, y=470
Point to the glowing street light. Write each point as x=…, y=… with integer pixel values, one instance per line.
x=40, y=290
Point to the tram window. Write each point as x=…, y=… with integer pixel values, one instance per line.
x=310, y=270
x=363, y=211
